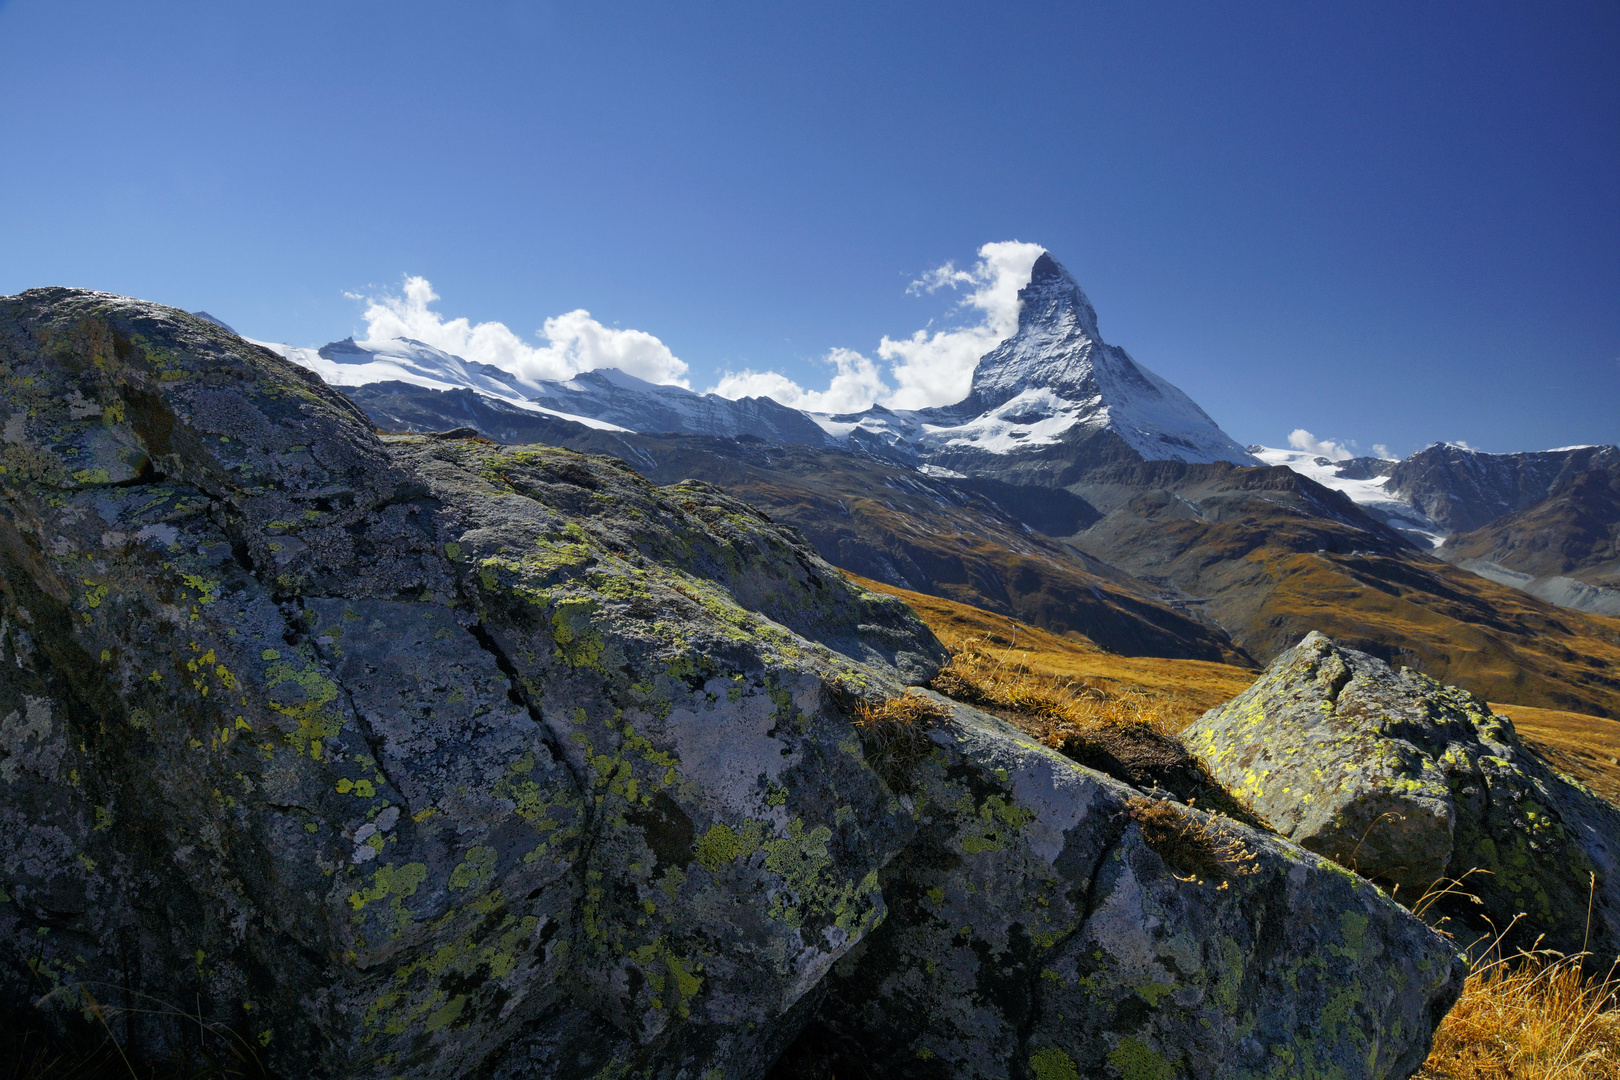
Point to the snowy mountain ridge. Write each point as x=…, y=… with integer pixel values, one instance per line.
x=1365, y=481
x=1052, y=395
x=1053, y=382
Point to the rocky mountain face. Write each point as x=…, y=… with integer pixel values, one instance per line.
x=419, y=756
x=1564, y=549
x=1462, y=490
x=979, y=540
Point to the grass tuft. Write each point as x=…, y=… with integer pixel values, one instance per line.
x=1534, y=1016
x=1197, y=845
x=894, y=736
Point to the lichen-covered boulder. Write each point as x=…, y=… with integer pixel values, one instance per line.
x=378, y=753
x=1051, y=922
x=417, y=756
x=1408, y=782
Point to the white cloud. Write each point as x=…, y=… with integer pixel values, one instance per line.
x=1461, y=444
x=1383, y=451
x=855, y=384
x=924, y=369
x=1333, y=450
x=575, y=342
x=937, y=368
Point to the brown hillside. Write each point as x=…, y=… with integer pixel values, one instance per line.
x=973, y=541
x=1270, y=558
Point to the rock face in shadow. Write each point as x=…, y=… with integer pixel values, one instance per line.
x=1409, y=782
x=428, y=757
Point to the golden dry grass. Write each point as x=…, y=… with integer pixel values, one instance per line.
x=1174, y=692
x=894, y=735
x=1535, y=1017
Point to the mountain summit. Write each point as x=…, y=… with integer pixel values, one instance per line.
x=1059, y=382
x=1057, y=332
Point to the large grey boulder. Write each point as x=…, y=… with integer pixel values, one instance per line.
x=1409, y=782
x=1050, y=922
x=410, y=756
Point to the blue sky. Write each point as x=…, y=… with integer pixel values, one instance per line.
x=1392, y=223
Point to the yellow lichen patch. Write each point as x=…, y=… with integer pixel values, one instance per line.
x=316, y=723
x=470, y=946
x=721, y=845
x=578, y=641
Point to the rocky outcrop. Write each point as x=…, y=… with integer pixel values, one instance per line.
x=425, y=757
x=1049, y=922
x=1462, y=490
x=1410, y=782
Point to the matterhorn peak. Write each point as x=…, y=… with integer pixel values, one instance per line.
x=1056, y=380
x=1053, y=295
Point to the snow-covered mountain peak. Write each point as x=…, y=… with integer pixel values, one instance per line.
x=1059, y=374
x=1054, y=295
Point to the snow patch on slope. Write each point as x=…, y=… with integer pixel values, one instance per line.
x=1369, y=493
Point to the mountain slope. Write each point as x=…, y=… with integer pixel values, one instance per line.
x=969, y=540
x=1564, y=549
x=1462, y=489
x=1269, y=555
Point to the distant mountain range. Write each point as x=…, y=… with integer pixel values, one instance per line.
x=1081, y=492
x=1564, y=548
x=1053, y=392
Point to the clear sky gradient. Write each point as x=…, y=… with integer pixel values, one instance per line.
x=1388, y=222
